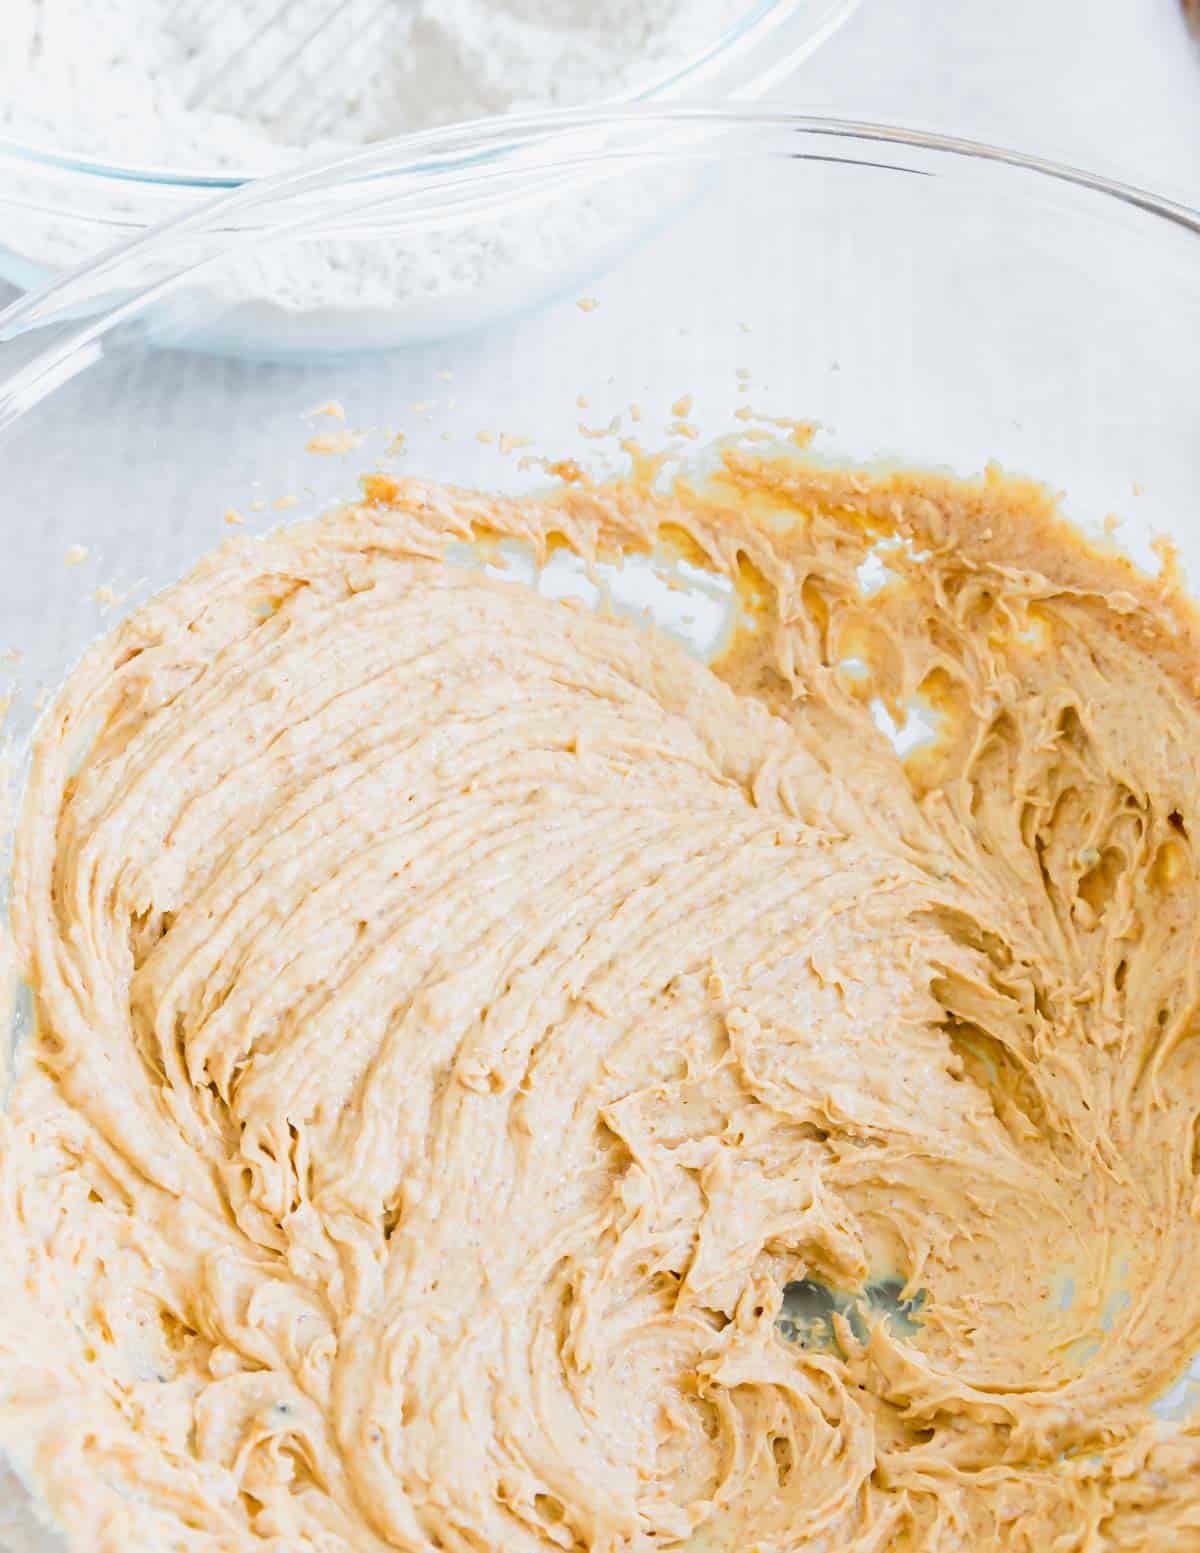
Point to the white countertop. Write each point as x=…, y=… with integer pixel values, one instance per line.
x=1110, y=85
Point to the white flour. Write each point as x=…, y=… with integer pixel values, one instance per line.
x=196, y=85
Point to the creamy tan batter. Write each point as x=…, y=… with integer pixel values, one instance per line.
x=460, y=1015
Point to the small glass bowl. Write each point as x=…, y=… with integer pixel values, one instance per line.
x=60, y=207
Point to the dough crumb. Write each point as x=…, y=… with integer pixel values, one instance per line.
x=336, y=442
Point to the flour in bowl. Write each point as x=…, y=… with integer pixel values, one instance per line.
x=230, y=89
x=189, y=85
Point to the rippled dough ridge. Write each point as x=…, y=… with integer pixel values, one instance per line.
x=460, y=1015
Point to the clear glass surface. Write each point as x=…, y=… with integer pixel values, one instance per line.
x=923, y=300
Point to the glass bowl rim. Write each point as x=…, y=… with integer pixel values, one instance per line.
x=479, y=155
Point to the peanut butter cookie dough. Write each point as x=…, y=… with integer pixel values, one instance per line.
x=461, y=1016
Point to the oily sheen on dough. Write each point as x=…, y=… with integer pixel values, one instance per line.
x=461, y=1014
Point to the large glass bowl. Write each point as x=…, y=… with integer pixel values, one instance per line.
x=60, y=205
x=921, y=299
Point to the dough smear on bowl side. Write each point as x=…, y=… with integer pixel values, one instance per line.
x=461, y=1015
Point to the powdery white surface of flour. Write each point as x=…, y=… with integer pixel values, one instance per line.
x=194, y=85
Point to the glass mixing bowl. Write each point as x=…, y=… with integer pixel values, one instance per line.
x=921, y=299
x=59, y=205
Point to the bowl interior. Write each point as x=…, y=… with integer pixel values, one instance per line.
x=920, y=301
